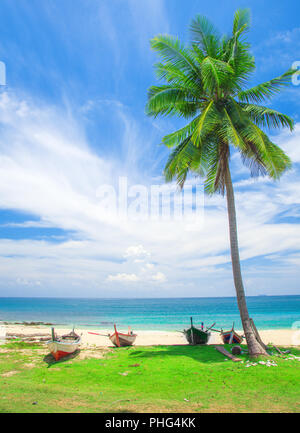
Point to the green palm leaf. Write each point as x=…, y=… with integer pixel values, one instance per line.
x=179, y=136
x=205, y=36
x=215, y=74
x=266, y=117
x=217, y=165
x=174, y=75
x=207, y=122
x=172, y=51
x=171, y=100
x=206, y=83
x=266, y=90
x=241, y=21
x=180, y=161
x=272, y=157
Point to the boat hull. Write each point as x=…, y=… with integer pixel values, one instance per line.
x=228, y=338
x=122, y=340
x=61, y=349
x=196, y=336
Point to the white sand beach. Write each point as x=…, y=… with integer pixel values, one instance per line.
x=282, y=337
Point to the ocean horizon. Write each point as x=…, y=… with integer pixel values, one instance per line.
x=268, y=312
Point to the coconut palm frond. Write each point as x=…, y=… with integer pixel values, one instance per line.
x=205, y=36
x=217, y=166
x=206, y=83
x=171, y=100
x=266, y=117
x=207, y=122
x=180, y=160
x=176, y=76
x=180, y=135
x=267, y=89
x=275, y=161
x=215, y=74
x=241, y=21
x=172, y=51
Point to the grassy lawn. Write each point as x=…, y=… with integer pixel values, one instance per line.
x=144, y=379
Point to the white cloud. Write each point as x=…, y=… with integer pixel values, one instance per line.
x=149, y=265
x=290, y=143
x=159, y=277
x=123, y=278
x=136, y=251
x=48, y=170
x=138, y=261
x=288, y=36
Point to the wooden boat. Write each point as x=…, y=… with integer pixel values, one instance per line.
x=120, y=340
x=231, y=337
x=64, y=345
x=196, y=335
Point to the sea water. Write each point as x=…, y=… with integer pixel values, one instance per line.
x=268, y=312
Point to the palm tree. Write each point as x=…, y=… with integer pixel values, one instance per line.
x=205, y=82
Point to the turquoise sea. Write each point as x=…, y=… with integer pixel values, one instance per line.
x=269, y=312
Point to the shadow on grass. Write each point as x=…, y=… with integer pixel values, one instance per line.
x=123, y=410
x=200, y=353
x=50, y=360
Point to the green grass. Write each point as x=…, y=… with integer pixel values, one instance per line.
x=156, y=379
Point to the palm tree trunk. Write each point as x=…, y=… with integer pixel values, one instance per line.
x=254, y=347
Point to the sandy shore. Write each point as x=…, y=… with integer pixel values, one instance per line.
x=282, y=337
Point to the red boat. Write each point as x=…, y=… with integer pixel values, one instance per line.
x=64, y=345
x=120, y=340
x=231, y=337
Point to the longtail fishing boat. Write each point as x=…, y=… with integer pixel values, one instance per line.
x=196, y=335
x=231, y=337
x=64, y=345
x=120, y=339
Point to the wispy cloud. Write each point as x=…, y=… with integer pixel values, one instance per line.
x=49, y=170
x=278, y=50
x=148, y=18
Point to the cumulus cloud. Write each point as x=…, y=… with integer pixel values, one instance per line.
x=136, y=251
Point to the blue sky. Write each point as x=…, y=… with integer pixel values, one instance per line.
x=72, y=119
